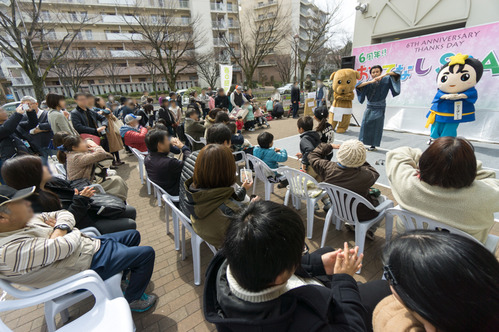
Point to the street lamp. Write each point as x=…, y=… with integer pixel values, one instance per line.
x=296, y=37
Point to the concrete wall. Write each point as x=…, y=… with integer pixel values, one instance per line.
x=387, y=20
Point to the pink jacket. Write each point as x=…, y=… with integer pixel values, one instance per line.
x=211, y=103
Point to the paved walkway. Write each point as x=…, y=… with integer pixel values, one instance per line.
x=180, y=302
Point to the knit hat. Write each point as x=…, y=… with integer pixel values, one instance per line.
x=352, y=153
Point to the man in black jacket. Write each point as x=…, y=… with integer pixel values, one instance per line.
x=12, y=140
x=86, y=121
x=41, y=135
x=221, y=100
x=216, y=134
x=295, y=99
x=262, y=280
x=167, y=116
x=162, y=169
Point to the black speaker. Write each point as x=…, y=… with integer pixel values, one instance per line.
x=348, y=62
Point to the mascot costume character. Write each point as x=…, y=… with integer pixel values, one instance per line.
x=343, y=85
x=456, y=96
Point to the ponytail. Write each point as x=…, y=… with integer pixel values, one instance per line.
x=322, y=125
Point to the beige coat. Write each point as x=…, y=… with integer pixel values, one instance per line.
x=114, y=139
x=391, y=316
x=470, y=209
x=81, y=164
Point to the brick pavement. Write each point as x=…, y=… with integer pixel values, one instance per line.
x=179, y=307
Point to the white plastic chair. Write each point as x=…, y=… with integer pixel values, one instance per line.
x=415, y=221
x=243, y=159
x=298, y=190
x=196, y=241
x=159, y=192
x=262, y=171
x=61, y=169
x=102, y=317
x=192, y=141
x=61, y=304
x=344, y=209
x=142, y=171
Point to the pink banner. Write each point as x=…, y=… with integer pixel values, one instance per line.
x=419, y=59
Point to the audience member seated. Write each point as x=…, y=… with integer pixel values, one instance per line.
x=309, y=140
x=58, y=116
x=440, y=282
x=262, y=280
x=351, y=172
x=325, y=129
x=217, y=134
x=39, y=250
x=271, y=156
x=161, y=169
x=222, y=117
x=446, y=184
x=133, y=134
x=41, y=135
x=52, y=194
x=210, y=195
x=85, y=120
x=12, y=142
x=81, y=157
x=194, y=127
x=210, y=118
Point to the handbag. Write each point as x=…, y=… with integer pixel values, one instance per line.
x=107, y=206
x=117, y=125
x=92, y=137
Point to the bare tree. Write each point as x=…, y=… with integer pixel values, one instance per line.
x=25, y=37
x=340, y=51
x=113, y=71
x=318, y=30
x=171, y=39
x=208, y=69
x=74, y=67
x=152, y=70
x=283, y=66
x=260, y=37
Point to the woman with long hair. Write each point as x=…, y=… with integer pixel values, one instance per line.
x=81, y=158
x=53, y=194
x=440, y=282
x=113, y=138
x=58, y=116
x=211, y=196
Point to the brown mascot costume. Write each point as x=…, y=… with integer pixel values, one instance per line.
x=344, y=81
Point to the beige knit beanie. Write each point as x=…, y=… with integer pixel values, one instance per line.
x=352, y=153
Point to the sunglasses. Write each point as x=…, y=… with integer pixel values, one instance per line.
x=388, y=274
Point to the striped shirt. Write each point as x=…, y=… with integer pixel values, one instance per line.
x=29, y=250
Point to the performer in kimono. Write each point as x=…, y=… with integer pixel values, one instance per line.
x=376, y=91
x=456, y=95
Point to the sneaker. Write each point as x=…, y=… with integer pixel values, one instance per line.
x=372, y=148
x=430, y=141
x=144, y=303
x=118, y=163
x=350, y=228
x=370, y=235
x=251, y=129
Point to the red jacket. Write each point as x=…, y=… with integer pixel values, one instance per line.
x=136, y=140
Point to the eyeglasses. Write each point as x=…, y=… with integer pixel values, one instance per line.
x=387, y=272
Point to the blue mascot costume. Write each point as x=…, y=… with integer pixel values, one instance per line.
x=456, y=96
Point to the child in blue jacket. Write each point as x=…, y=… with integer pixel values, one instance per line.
x=271, y=156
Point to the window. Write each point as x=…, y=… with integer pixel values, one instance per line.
x=101, y=81
x=125, y=80
x=88, y=34
x=45, y=15
x=139, y=64
x=185, y=20
x=91, y=82
x=142, y=79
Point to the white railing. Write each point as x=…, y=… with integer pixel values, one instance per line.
x=218, y=25
x=215, y=6
x=265, y=4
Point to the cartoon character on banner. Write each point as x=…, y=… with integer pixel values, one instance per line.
x=456, y=96
x=343, y=85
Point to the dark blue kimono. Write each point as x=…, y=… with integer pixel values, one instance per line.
x=371, y=129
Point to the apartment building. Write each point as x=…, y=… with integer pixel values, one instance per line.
x=109, y=40
x=297, y=13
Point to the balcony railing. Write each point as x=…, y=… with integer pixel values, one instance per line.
x=11, y=63
x=96, y=36
x=218, y=7
x=19, y=80
x=265, y=4
x=218, y=25
x=233, y=25
x=179, y=4
x=109, y=19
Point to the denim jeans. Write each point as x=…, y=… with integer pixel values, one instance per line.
x=119, y=252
